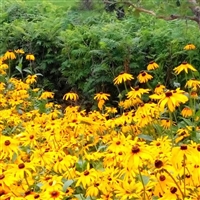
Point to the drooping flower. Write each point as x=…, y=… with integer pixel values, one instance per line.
x=184, y=67
x=46, y=95
x=159, y=89
x=144, y=77
x=122, y=77
x=152, y=65
x=71, y=96
x=189, y=47
x=187, y=112
x=31, y=79
x=193, y=84
x=19, y=51
x=30, y=57
x=9, y=55
x=101, y=96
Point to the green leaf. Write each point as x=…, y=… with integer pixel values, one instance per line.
x=145, y=137
x=67, y=184
x=27, y=70
x=19, y=69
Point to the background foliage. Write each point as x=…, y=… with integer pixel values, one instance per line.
x=84, y=50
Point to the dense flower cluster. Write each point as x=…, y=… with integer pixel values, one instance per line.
x=140, y=153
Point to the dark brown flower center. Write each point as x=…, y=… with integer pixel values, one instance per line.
x=162, y=177
x=136, y=88
x=198, y=147
x=2, y=176
x=158, y=144
x=31, y=137
x=158, y=163
x=135, y=149
x=183, y=147
x=118, y=143
x=173, y=190
x=86, y=173
x=184, y=62
x=168, y=94
x=55, y=194
x=36, y=196
x=151, y=62
x=143, y=73
x=7, y=142
x=21, y=166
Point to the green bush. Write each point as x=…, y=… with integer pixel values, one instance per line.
x=85, y=54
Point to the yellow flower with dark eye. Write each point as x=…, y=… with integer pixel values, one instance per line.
x=159, y=89
x=122, y=77
x=189, y=47
x=101, y=96
x=187, y=112
x=9, y=55
x=184, y=67
x=193, y=84
x=30, y=57
x=152, y=65
x=31, y=79
x=71, y=96
x=46, y=95
x=137, y=92
x=144, y=77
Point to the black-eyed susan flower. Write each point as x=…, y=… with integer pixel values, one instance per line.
x=184, y=66
x=46, y=95
x=19, y=51
x=87, y=177
x=71, y=96
x=152, y=65
x=159, y=89
x=31, y=79
x=187, y=112
x=144, y=77
x=9, y=55
x=171, y=99
x=182, y=133
x=30, y=57
x=193, y=84
x=122, y=77
x=137, y=92
x=101, y=96
x=189, y=47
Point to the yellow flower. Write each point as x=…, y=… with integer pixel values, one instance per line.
x=71, y=96
x=122, y=77
x=46, y=95
x=19, y=51
x=184, y=67
x=186, y=112
x=87, y=177
x=9, y=55
x=159, y=89
x=31, y=79
x=193, y=84
x=30, y=57
x=137, y=92
x=152, y=65
x=144, y=77
x=189, y=47
x=171, y=98
x=101, y=96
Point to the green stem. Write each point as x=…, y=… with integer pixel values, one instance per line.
x=171, y=131
x=175, y=183
x=144, y=196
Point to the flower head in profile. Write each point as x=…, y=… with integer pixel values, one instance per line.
x=184, y=67
x=30, y=57
x=187, y=112
x=71, y=96
x=189, y=47
x=159, y=89
x=122, y=77
x=46, y=95
x=101, y=96
x=144, y=77
x=9, y=55
x=152, y=65
x=193, y=84
x=31, y=79
x=19, y=51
